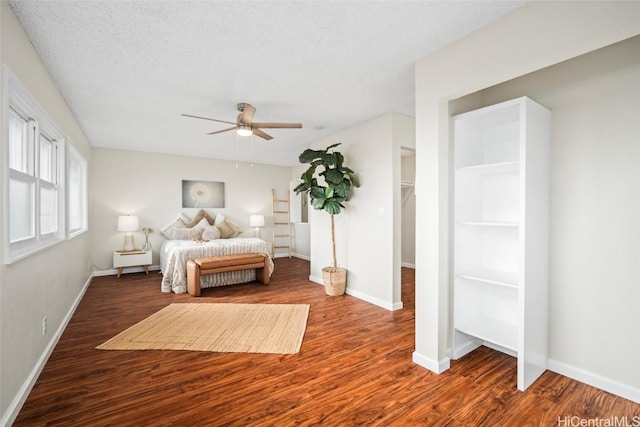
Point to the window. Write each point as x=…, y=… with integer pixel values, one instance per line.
x=34, y=183
x=77, y=192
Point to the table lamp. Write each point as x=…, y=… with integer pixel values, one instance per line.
x=256, y=221
x=128, y=224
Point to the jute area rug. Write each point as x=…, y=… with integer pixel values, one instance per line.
x=247, y=328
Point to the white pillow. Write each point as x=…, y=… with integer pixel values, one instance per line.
x=194, y=233
x=202, y=224
x=211, y=233
x=180, y=221
x=219, y=219
x=168, y=229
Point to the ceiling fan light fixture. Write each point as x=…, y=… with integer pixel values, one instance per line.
x=244, y=130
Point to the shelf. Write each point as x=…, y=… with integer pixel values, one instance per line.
x=495, y=203
x=491, y=168
x=492, y=330
x=406, y=184
x=496, y=277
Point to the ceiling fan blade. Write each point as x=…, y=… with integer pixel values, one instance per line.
x=223, y=130
x=278, y=125
x=247, y=114
x=262, y=134
x=207, y=118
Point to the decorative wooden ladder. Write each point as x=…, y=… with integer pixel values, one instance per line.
x=281, y=223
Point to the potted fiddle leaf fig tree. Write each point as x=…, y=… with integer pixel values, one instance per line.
x=330, y=196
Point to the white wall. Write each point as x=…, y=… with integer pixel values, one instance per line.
x=535, y=36
x=366, y=229
x=50, y=282
x=150, y=185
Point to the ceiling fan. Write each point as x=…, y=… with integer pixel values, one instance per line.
x=245, y=126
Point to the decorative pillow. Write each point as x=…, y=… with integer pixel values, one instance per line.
x=199, y=216
x=211, y=233
x=185, y=233
x=226, y=231
x=222, y=221
x=167, y=230
x=180, y=216
x=234, y=226
x=202, y=224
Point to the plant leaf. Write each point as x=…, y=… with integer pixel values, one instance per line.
x=302, y=187
x=343, y=188
x=332, y=207
x=318, y=203
x=309, y=155
x=317, y=192
x=333, y=176
x=328, y=192
x=354, y=180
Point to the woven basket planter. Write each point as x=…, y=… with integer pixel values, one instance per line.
x=335, y=280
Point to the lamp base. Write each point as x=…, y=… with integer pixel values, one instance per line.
x=128, y=242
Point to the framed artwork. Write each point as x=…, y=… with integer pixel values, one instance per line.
x=202, y=194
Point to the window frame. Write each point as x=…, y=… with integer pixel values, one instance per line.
x=17, y=98
x=73, y=155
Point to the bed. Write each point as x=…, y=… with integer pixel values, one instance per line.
x=175, y=253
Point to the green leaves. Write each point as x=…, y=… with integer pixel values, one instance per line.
x=338, y=178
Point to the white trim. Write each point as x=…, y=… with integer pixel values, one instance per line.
x=304, y=257
x=73, y=155
x=17, y=97
x=373, y=300
x=364, y=297
x=126, y=270
x=14, y=407
x=434, y=366
x=595, y=380
x=281, y=255
x=316, y=279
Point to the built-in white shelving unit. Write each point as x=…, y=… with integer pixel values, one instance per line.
x=500, y=283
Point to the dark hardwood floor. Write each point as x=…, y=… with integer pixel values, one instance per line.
x=354, y=368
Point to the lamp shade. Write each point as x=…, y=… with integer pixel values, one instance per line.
x=128, y=223
x=256, y=221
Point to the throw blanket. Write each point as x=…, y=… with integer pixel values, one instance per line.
x=179, y=251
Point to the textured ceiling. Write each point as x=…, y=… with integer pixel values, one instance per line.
x=128, y=69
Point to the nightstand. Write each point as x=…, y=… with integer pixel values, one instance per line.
x=132, y=258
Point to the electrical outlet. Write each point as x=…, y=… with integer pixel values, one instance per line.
x=44, y=325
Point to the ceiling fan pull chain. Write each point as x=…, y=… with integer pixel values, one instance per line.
x=251, y=150
x=237, y=151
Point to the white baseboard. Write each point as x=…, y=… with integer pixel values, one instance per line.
x=14, y=407
x=316, y=279
x=434, y=366
x=114, y=271
x=293, y=254
x=373, y=300
x=595, y=380
x=464, y=349
x=364, y=297
x=408, y=265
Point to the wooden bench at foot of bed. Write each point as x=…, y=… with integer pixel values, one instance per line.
x=220, y=264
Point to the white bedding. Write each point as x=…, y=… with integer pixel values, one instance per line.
x=175, y=253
